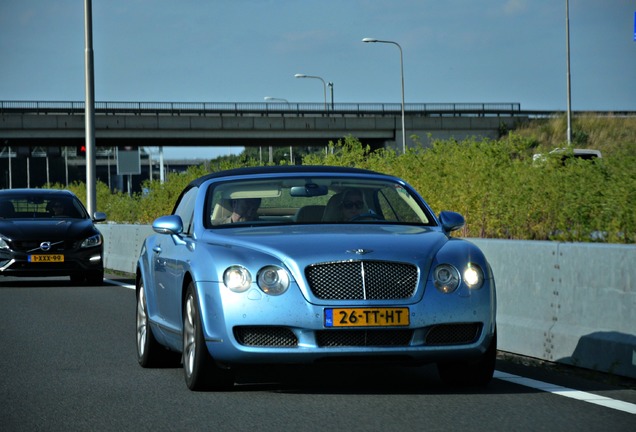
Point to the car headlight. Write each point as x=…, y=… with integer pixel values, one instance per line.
x=446, y=278
x=473, y=276
x=3, y=244
x=237, y=278
x=92, y=241
x=272, y=280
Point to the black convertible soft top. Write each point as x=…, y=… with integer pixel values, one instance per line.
x=281, y=169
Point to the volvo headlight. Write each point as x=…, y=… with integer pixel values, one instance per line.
x=446, y=278
x=92, y=241
x=473, y=276
x=273, y=280
x=237, y=278
x=3, y=244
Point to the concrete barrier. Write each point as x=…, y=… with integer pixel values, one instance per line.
x=122, y=244
x=572, y=303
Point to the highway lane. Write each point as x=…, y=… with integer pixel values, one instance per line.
x=68, y=364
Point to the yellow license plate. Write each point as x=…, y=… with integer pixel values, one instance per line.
x=366, y=317
x=55, y=258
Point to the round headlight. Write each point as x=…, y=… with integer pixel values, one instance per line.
x=473, y=276
x=446, y=278
x=237, y=278
x=273, y=280
x=95, y=240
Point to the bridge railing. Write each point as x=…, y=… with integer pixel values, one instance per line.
x=299, y=109
x=263, y=108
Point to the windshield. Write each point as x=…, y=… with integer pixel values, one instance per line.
x=321, y=200
x=41, y=207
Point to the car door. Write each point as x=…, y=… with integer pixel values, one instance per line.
x=170, y=261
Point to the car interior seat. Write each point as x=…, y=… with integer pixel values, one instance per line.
x=333, y=212
x=222, y=210
x=310, y=213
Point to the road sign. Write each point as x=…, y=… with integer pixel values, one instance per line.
x=128, y=160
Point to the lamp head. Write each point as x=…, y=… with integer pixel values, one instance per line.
x=369, y=40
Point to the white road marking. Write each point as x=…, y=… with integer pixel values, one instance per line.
x=568, y=392
x=129, y=286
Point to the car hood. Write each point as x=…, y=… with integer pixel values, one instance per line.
x=46, y=229
x=299, y=246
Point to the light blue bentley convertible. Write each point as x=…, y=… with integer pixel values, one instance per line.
x=304, y=264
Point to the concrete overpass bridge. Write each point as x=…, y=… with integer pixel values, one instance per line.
x=50, y=125
x=39, y=139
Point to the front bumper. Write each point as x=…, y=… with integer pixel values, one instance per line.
x=253, y=327
x=84, y=260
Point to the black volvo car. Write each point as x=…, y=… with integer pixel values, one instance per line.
x=48, y=232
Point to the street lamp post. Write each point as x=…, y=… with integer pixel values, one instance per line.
x=271, y=155
x=89, y=109
x=324, y=84
x=372, y=40
x=567, y=50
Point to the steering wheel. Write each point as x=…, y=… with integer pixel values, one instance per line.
x=368, y=215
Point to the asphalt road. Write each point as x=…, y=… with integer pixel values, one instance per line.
x=68, y=363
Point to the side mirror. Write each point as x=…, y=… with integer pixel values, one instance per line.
x=171, y=224
x=451, y=221
x=99, y=217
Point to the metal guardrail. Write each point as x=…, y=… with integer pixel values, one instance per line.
x=292, y=109
x=238, y=108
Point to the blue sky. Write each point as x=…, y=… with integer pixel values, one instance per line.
x=245, y=50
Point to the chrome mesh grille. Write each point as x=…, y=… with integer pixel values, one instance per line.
x=34, y=246
x=362, y=280
x=265, y=336
x=453, y=334
x=365, y=338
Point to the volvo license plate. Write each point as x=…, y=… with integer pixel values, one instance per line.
x=367, y=317
x=54, y=258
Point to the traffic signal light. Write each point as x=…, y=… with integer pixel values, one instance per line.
x=81, y=150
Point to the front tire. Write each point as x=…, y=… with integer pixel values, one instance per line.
x=475, y=373
x=77, y=278
x=200, y=370
x=150, y=353
x=91, y=278
x=95, y=278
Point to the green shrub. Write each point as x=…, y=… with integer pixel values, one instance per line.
x=503, y=193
